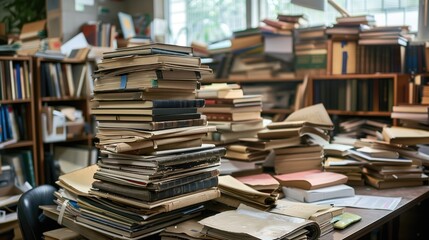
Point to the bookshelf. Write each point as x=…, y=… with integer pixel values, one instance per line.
x=61, y=83
x=19, y=147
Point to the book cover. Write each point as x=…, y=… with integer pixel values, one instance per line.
x=311, y=179
x=302, y=195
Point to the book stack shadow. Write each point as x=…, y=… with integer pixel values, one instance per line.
x=153, y=170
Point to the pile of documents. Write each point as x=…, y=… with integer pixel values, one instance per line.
x=153, y=169
x=314, y=185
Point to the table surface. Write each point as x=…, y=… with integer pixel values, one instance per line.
x=373, y=219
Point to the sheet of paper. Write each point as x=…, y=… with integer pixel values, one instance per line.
x=78, y=41
x=364, y=201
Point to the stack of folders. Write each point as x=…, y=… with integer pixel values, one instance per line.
x=297, y=140
x=152, y=163
x=249, y=223
x=314, y=185
x=234, y=192
x=322, y=214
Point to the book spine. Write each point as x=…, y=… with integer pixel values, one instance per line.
x=178, y=103
x=173, y=117
x=218, y=116
x=164, y=185
x=178, y=124
x=191, y=157
x=151, y=196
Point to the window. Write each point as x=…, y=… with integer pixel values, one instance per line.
x=204, y=21
x=214, y=20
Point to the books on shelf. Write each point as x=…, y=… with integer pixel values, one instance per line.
x=15, y=80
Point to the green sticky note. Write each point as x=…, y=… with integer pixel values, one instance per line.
x=345, y=219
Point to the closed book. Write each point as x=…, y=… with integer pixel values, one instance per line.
x=152, y=46
x=147, y=94
x=386, y=184
x=302, y=195
x=154, y=125
x=232, y=116
x=132, y=61
x=148, y=118
x=312, y=179
x=140, y=84
x=149, y=104
x=150, y=112
x=220, y=93
x=406, y=136
x=151, y=196
x=237, y=126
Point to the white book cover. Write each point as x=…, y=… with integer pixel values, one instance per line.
x=320, y=194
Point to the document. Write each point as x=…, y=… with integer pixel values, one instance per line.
x=364, y=201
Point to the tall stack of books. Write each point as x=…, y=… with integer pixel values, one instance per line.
x=278, y=40
x=153, y=165
x=296, y=140
x=311, y=51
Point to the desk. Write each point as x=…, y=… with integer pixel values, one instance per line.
x=386, y=220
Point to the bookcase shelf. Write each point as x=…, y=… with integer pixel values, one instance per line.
x=63, y=84
x=17, y=94
x=363, y=95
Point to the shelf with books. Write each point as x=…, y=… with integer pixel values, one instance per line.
x=359, y=95
x=18, y=146
x=62, y=103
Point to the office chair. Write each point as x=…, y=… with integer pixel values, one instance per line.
x=31, y=219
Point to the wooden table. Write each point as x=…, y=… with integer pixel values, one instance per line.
x=390, y=224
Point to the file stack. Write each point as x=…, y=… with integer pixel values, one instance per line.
x=153, y=170
x=234, y=192
x=322, y=214
x=314, y=185
x=296, y=141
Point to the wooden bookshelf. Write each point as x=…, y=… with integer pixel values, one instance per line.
x=46, y=97
x=23, y=111
x=359, y=95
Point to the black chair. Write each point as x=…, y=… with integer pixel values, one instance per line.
x=31, y=219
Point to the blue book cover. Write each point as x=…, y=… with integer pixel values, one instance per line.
x=18, y=80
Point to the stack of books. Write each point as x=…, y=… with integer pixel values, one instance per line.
x=412, y=116
x=153, y=165
x=30, y=37
x=233, y=114
x=345, y=165
x=382, y=43
x=362, y=128
x=314, y=185
x=297, y=140
x=311, y=51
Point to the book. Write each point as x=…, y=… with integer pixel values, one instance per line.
x=220, y=93
x=141, y=83
x=150, y=112
x=151, y=196
x=406, y=136
x=280, y=24
x=260, y=144
x=148, y=60
x=261, y=182
x=120, y=52
x=396, y=183
x=154, y=125
x=146, y=94
x=378, y=152
x=302, y=195
x=33, y=30
x=378, y=160
x=311, y=179
x=195, y=103
x=148, y=118
x=254, y=124
x=233, y=116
